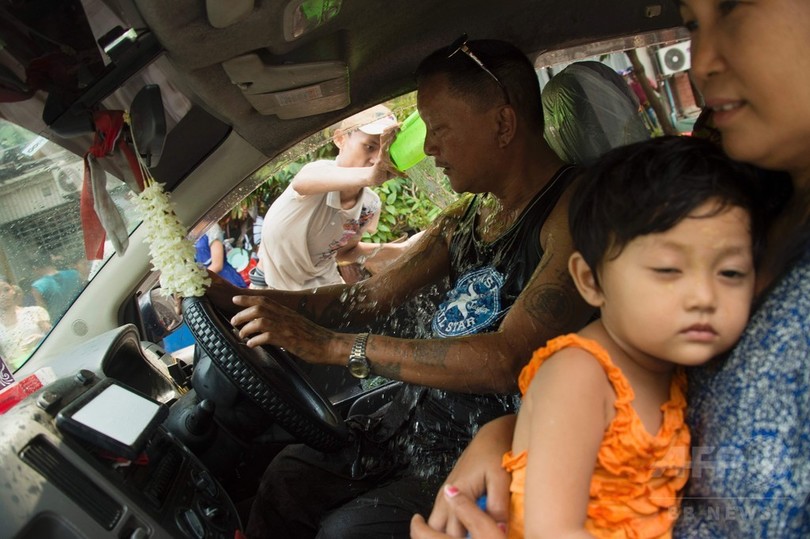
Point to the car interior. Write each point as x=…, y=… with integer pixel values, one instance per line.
x=126, y=438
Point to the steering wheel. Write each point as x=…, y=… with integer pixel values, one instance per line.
x=269, y=376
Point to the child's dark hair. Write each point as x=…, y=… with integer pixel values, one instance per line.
x=649, y=187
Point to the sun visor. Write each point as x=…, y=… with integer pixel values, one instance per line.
x=589, y=109
x=224, y=13
x=290, y=90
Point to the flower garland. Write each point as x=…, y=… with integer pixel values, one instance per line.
x=171, y=251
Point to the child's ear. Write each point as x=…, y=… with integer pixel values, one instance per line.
x=585, y=280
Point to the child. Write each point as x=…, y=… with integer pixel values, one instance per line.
x=327, y=207
x=210, y=251
x=665, y=237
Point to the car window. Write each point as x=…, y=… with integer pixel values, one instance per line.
x=42, y=259
x=409, y=204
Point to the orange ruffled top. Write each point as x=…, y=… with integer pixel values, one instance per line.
x=635, y=489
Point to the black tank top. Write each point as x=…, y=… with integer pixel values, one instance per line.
x=488, y=277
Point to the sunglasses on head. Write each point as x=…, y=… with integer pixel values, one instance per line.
x=460, y=45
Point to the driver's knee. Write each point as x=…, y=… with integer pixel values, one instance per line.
x=383, y=512
x=299, y=487
x=278, y=510
x=366, y=521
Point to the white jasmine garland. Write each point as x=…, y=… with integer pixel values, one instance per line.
x=171, y=251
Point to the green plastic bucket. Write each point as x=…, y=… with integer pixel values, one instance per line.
x=408, y=147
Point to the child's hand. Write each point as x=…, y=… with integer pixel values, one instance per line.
x=474, y=522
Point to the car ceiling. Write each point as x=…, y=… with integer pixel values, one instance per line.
x=380, y=41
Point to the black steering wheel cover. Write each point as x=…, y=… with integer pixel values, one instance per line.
x=269, y=377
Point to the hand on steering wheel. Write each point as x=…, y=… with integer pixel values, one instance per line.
x=268, y=375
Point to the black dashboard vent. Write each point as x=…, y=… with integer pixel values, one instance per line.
x=46, y=459
x=162, y=477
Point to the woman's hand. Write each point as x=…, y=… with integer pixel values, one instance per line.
x=474, y=521
x=478, y=472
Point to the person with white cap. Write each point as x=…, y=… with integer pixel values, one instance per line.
x=327, y=207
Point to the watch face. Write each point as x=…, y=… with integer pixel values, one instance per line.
x=359, y=367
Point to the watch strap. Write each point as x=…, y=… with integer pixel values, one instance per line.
x=359, y=346
x=358, y=364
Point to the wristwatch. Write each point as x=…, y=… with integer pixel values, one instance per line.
x=358, y=365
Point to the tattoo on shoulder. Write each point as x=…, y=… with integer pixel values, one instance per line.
x=551, y=305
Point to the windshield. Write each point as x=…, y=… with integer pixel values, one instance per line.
x=43, y=267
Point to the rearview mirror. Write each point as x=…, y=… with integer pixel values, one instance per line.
x=148, y=124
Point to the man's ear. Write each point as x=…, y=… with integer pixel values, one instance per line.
x=585, y=279
x=339, y=138
x=507, y=125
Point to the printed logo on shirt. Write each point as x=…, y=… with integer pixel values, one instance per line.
x=351, y=228
x=472, y=305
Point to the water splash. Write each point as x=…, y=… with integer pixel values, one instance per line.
x=432, y=181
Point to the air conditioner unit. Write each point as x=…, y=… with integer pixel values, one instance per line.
x=674, y=58
x=68, y=178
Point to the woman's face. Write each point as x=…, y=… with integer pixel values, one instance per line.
x=751, y=62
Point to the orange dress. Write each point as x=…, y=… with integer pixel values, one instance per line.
x=637, y=477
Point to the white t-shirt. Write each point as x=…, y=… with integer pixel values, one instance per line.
x=302, y=233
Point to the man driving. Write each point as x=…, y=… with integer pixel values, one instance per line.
x=499, y=256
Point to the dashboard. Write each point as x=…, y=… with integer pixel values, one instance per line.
x=89, y=454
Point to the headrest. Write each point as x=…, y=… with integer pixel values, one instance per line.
x=588, y=110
